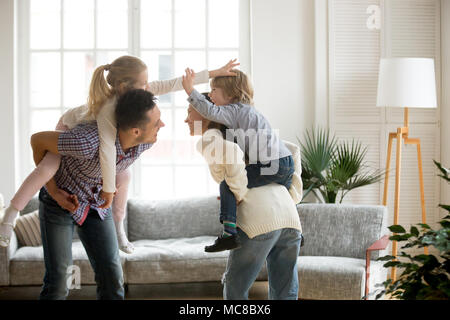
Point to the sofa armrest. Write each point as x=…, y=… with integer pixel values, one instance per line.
x=380, y=244
x=5, y=259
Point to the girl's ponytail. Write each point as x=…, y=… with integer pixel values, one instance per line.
x=122, y=75
x=99, y=90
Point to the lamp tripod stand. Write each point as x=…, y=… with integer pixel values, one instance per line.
x=402, y=136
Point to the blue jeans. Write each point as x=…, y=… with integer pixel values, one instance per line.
x=98, y=238
x=280, y=248
x=283, y=175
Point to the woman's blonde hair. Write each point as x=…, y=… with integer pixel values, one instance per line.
x=122, y=76
x=239, y=88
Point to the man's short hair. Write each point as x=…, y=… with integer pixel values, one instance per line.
x=132, y=108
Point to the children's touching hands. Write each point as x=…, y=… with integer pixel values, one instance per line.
x=188, y=81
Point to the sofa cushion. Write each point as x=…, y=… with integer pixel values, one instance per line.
x=28, y=229
x=27, y=265
x=33, y=205
x=341, y=230
x=177, y=260
x=179, y=218
x=336, y=278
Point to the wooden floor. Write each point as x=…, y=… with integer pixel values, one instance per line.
x=191, y=291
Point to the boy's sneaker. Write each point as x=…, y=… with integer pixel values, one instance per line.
x=227, y=243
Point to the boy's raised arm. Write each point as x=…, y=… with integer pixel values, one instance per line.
x=226, y=115
x=188, y=81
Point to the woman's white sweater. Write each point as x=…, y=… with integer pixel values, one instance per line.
x=263, y=209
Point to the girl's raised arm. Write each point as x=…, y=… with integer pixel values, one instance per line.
x=107, y=131
x=161, y=87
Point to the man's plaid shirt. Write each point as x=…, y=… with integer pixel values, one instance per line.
x=80, y=171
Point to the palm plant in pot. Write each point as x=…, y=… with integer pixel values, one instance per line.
x=330, y=167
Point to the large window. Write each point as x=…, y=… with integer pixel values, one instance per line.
x=61, y=42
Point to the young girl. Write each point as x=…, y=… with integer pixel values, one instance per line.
x=269, y=159
x=125, y=73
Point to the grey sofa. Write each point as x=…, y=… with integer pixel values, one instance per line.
x=169, y=237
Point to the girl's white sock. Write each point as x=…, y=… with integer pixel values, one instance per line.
x=124, y=244
x=7, y=225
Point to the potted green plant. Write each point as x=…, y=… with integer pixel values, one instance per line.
x=330, y=167
x=424, y=277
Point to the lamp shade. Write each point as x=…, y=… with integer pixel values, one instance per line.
x=407, y=82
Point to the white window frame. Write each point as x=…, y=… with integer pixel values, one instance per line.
x=134, y=48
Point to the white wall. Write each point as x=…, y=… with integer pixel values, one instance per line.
x=321, y=114
x=445, y=101
x=283, y=63
x=8, y=114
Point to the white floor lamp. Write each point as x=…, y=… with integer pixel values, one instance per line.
x=405, y=83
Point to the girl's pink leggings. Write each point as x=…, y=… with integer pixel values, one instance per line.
x=47, y=169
